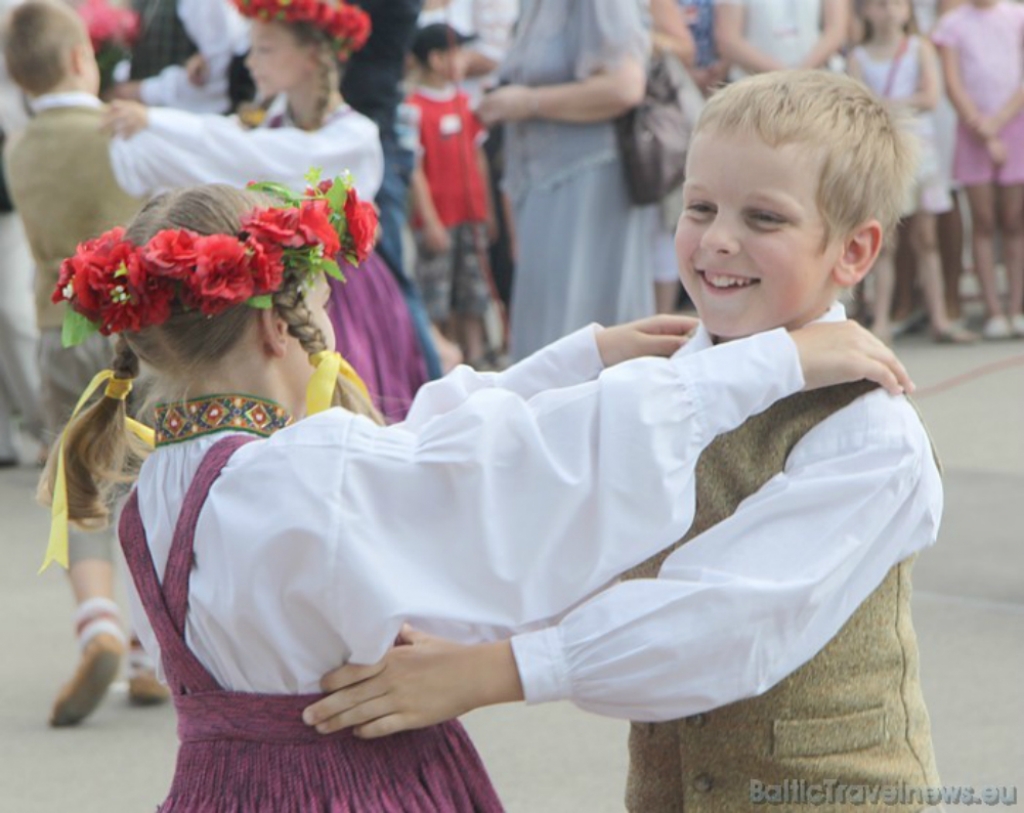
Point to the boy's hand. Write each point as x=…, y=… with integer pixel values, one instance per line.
x=654, y=336
x=837, y=353
x=436, y=238
x=125, y=119
x=423, y=681
x=198, y=70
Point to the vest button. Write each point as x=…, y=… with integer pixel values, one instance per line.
x=696, y=721
x=703, y=783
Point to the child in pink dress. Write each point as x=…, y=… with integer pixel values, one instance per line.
x=982, y=49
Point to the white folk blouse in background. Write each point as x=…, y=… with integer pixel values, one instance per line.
x=502, y=501
x=741, y=606
x=182, y=149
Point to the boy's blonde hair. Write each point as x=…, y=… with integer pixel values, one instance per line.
x=869, y=154
x=38, y=38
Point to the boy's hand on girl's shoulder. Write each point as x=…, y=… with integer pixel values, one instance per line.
x=125, y=119
x=655, y=336
x=842, y=352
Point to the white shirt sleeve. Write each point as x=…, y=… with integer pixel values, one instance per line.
x=746, y=603
x=215, y=26
x=505, y=511
x=180, y=148
x=571, y=360
x=493, y=21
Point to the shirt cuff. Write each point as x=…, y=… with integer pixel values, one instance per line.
x=736, y=380
x=150, y=92
x=543, y=669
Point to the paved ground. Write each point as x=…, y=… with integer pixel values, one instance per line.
x=969, y=607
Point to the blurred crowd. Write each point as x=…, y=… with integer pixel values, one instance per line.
x=488, y=132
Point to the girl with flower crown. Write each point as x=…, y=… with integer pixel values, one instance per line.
x=298, y=47
x=267, y=533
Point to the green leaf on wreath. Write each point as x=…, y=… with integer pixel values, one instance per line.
x=76, y=328
x=263, y=302
x=332, y=269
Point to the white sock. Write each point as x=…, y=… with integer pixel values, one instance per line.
x=95, y=616
x=139, y=662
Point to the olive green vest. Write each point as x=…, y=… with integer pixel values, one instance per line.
x=853, y=714
x=60, y=177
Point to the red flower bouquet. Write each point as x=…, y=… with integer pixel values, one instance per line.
x=113, y=31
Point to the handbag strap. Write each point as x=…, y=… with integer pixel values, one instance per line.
x=895, y=66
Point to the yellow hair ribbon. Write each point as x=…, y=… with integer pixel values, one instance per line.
x=329, y=366
x=118, y=389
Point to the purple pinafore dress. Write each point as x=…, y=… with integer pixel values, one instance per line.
x=251, y=753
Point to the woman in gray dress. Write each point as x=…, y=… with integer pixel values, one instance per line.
x=583, y=248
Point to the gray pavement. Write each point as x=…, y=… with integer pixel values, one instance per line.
x=969, y=610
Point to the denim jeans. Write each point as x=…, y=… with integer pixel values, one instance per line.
x=391, y=200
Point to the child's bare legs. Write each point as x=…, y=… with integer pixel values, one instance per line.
x=924, y=241
x=1011, y=222
x=884, y=273
x=469, y=329
x=951, y=247
x=982, y=201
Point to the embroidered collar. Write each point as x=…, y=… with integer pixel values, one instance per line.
x=218, y=413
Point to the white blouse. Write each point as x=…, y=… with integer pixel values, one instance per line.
x=181, y=149
x=503, y=500
x=749, y=601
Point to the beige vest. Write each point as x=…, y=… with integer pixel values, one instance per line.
x=62, y=183
x=853, y=714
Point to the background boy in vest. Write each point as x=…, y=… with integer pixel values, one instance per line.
x=451, y=206
x=775, y=640
x=61, y=178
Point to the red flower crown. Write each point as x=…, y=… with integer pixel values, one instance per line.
x=347, y=25
x=112, y=285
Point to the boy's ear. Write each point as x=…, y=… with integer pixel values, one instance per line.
x=79, y=58
x=860, y=250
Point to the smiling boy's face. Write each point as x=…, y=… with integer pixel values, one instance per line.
x=750, y=242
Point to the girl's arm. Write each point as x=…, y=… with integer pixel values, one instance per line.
x=835, y=25
x=601, y=97
x=955, y=89
x=1006, y=114
x=177, y=148
x=732, y=44
x=853, y=66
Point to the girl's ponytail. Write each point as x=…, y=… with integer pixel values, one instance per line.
x=98, y=450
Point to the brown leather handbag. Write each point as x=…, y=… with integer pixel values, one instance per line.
x=654, y=136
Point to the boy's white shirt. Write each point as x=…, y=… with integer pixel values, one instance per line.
x=503, y=500
x=741, y=606
x=219, y=32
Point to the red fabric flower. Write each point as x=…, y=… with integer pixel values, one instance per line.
x=361, y=217
x=347, y=25
x=223, y=276
x=171, y=253
x=315, y=226
x=274, y=226
x=266, y=265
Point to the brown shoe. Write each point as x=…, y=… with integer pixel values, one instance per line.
x=145, y=690
x=96, y=671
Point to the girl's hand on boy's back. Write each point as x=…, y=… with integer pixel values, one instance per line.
x=125, y=119
x=655, y=336
x=840, y=352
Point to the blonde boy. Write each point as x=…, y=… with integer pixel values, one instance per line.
x=773, y=645
x=62, y=180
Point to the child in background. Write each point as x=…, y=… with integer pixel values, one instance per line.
x=982, y=48
x=60, y=171
x=267, y=531
x=451, y=203
x=901, y=67
x=775, y=640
